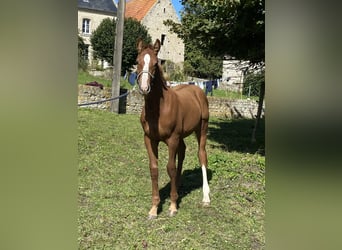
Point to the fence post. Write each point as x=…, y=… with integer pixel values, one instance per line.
x=117, y=57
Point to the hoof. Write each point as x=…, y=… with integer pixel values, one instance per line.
x=151, y=217
x=205, y=204
x=172, y=213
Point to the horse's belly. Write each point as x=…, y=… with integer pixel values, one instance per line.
x=191, y=119
x=189, y=128
x=158, y=132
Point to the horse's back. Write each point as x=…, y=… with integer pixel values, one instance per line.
x=193, y=100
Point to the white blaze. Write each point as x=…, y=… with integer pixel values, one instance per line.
x=206, y=189
x=144, y=76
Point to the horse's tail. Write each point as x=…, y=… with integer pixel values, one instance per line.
x=204, y=104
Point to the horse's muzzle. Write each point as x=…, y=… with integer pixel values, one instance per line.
x=143, y=82
x=144, y=91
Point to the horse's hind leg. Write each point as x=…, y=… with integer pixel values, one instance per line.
x=202, y=155
x=172, y=144
x=181, y=156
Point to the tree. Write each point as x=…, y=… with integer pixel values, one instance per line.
x=102, y=41
x=133, y=30
x=220, y=27
x=199, y=65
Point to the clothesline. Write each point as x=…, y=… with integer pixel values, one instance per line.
x=209, y=84
x=202, y=84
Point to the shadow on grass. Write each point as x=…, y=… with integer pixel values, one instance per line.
x=235, y=135
x=190, y=181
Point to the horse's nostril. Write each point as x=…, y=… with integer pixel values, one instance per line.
x=145, y=89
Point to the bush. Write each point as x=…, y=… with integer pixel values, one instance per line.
x=82, y=62
x=253, y=81
x=173, y=72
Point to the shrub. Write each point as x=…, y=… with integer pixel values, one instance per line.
x=253, y=82
x=173, y=72
x=82, y=62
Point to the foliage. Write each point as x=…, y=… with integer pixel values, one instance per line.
x=133, y=30
x=173, y=72
x=200, y=65
x=224, y=27
x=82, y=63
x=253, y=81
x=103, y=40
x=115, y=188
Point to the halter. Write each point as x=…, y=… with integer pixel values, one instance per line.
x=149, y=86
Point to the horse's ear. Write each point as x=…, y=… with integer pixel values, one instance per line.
x=156, y=46
x=139, y=45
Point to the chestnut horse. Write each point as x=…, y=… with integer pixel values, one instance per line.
x=169, y=115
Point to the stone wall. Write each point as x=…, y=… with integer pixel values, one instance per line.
x=132, y=103
x=239, y=108
x=87, y=94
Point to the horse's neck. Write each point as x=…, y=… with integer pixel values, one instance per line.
x=158, y=88
x=158, y=93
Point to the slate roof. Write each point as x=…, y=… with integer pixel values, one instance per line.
x=99, y=5
x=138, y=8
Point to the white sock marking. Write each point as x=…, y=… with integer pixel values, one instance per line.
x=144, y=76
x=206, y=189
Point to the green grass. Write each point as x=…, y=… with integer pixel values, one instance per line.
x=85, y=77
x=226, y=94
x=115, y=188
x=230, y=94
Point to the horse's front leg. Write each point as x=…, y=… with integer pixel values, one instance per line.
x=172, y=171
x=152, y=150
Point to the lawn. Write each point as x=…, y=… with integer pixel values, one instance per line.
x=231, y=94
x=115, y=188
x=84, y=77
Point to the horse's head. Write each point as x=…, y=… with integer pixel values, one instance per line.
x=147, y=61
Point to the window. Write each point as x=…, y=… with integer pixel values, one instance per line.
x=86, y=26
x=162, y=39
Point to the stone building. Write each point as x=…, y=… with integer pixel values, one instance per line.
x=90, y=15
x=233, y=73
x=152, y=13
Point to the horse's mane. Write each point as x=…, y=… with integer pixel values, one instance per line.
x=147, y=46
x=161, y=77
